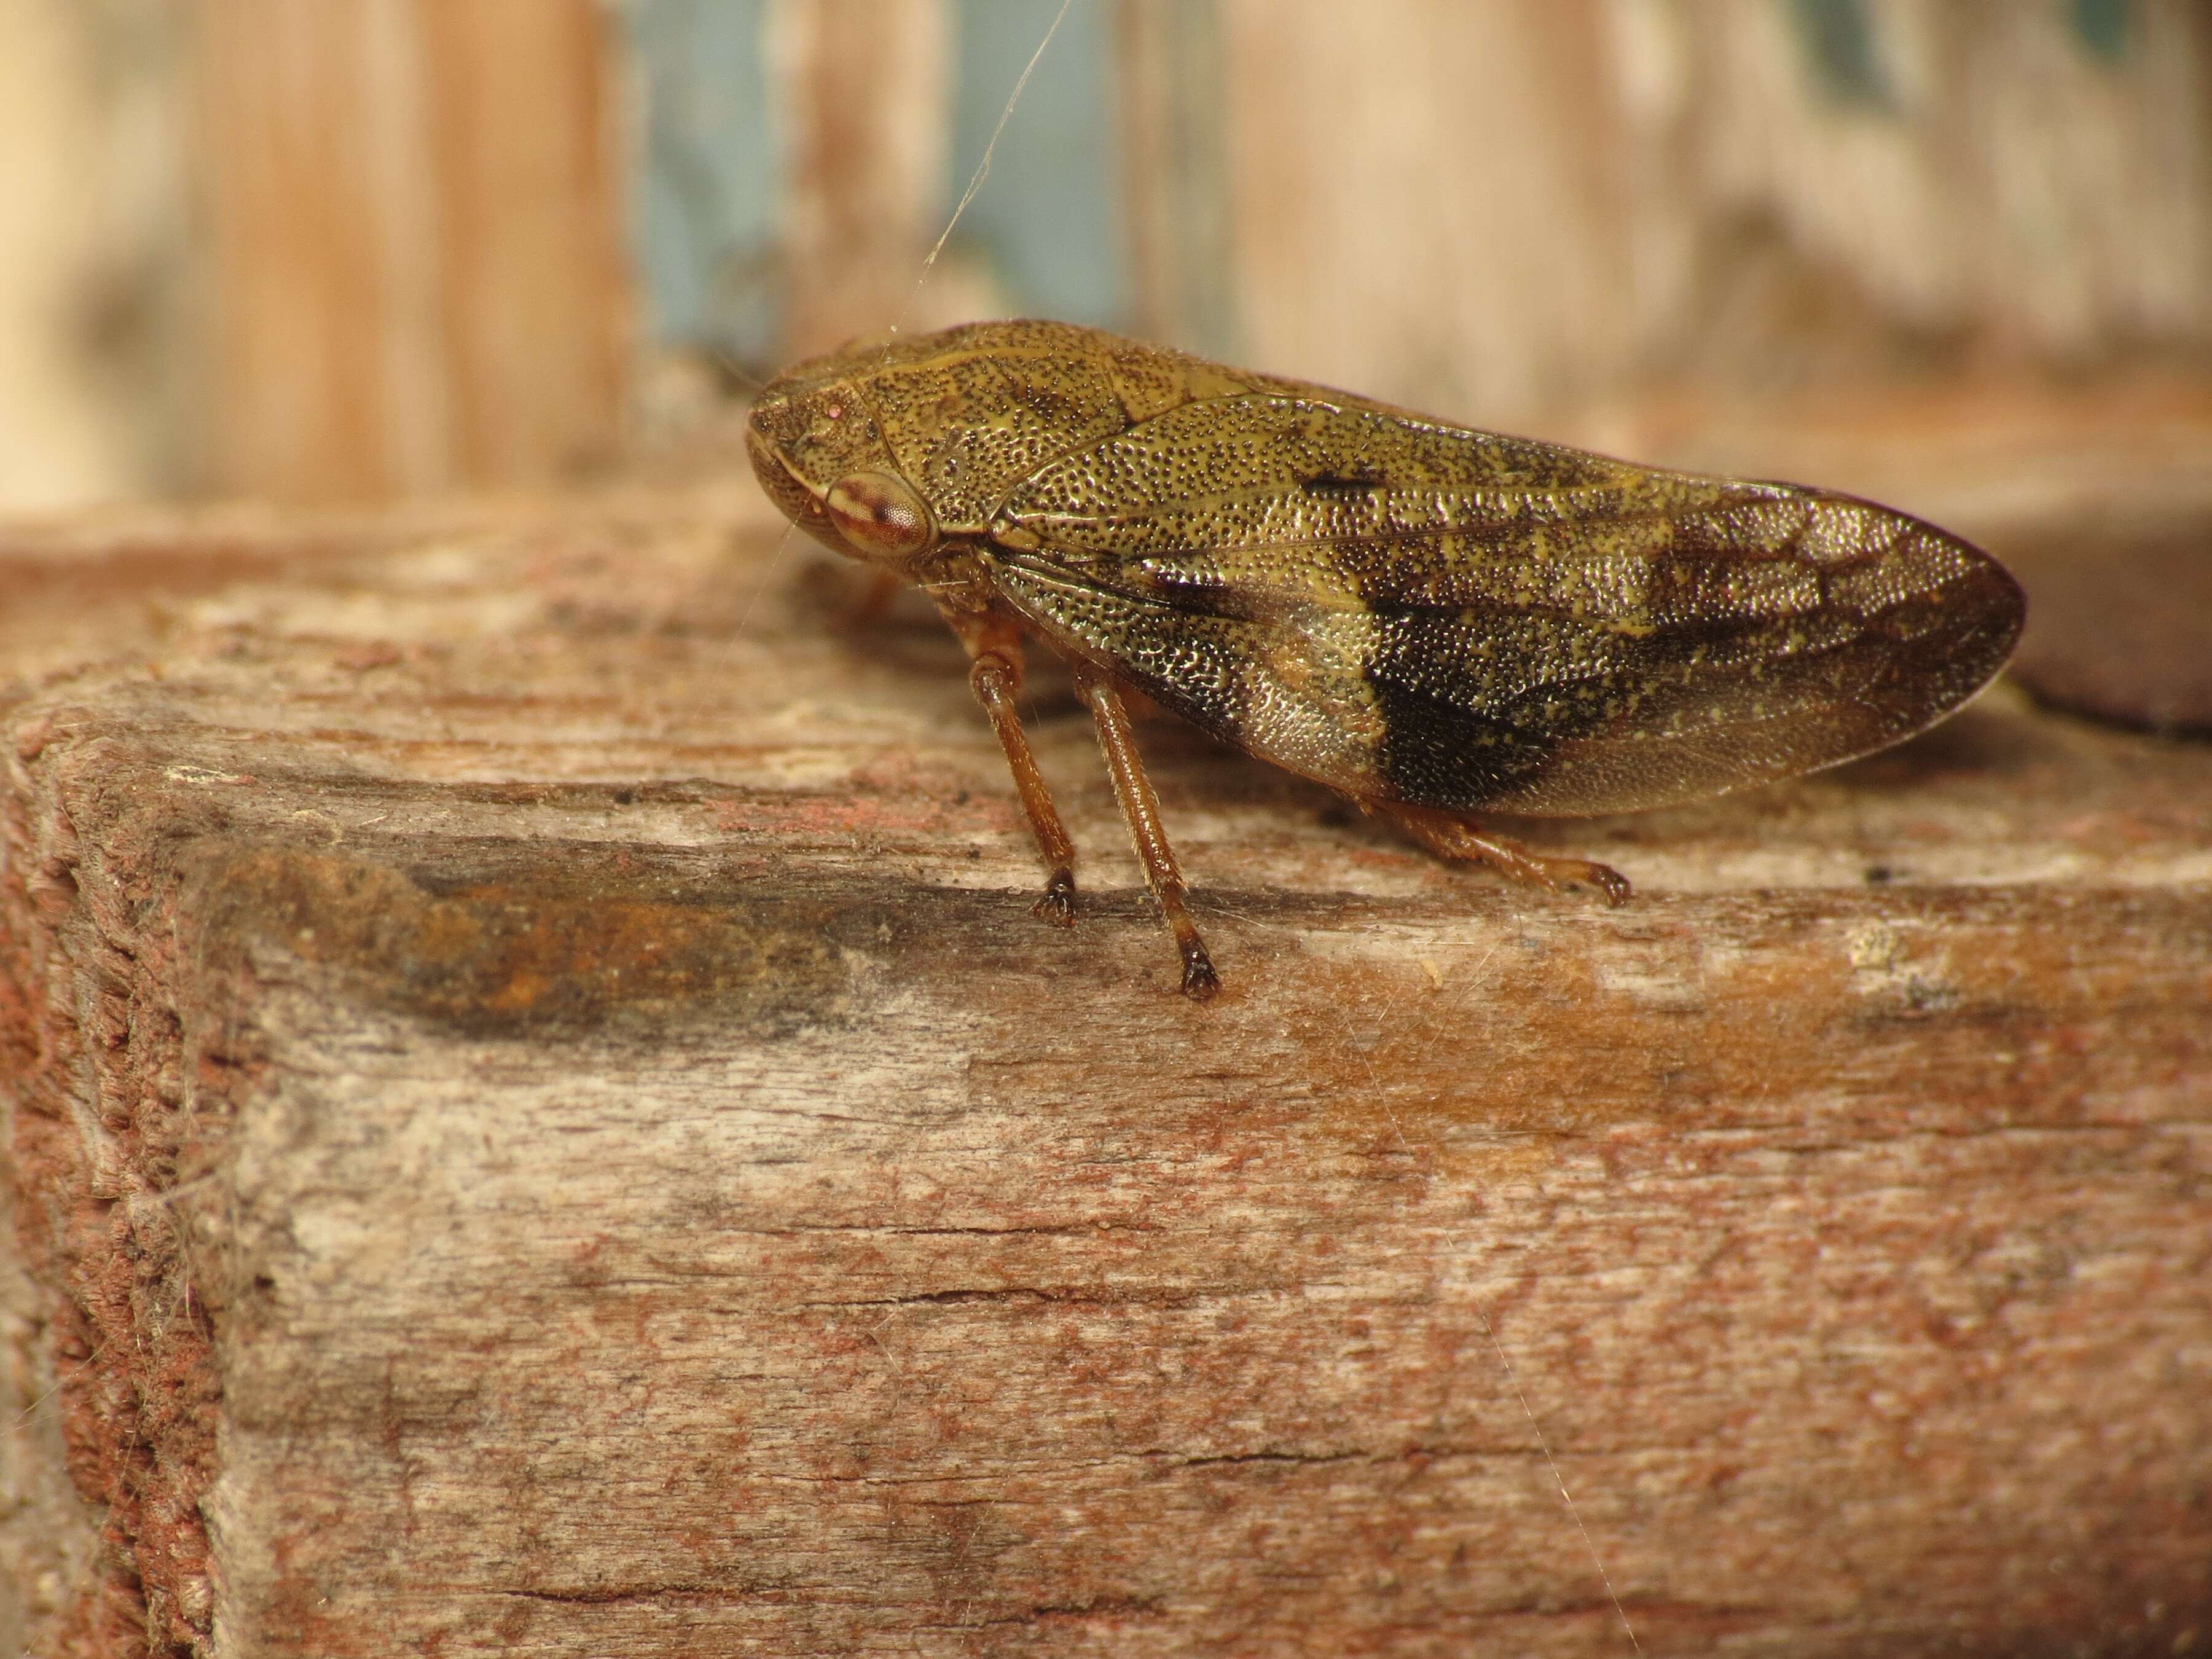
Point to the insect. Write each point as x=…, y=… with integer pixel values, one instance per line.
x=1435, y=621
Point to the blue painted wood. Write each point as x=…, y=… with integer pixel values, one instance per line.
x=1048, y=220
x=704, y=203
x=1841, y=52
x=2103, y=26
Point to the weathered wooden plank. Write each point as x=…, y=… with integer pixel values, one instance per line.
x=863, y=112
x=411, y=261
x=1495, y=211
x=544, y=1125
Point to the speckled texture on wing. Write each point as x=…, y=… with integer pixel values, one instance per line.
x=965, y=413
x=1424, y=613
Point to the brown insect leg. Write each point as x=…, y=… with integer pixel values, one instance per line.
x=1454, y=838
x=1140, y=810
x=994, y=674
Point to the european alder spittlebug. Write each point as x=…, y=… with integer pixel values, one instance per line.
x=1435, y=621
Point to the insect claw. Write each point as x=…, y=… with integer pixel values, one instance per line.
x=1199, y=982
x=1612, y=886
x=1455, y=838
x=1608, y=881
x=1058, y=905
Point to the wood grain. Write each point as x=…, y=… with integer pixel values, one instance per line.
x=411, y=257
x=542, y=1123
x=864, y=119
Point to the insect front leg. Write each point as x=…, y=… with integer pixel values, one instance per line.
x=1140, y=810
x=1454, y=837
x=994, y=674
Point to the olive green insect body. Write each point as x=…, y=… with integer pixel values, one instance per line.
x=1433, y=620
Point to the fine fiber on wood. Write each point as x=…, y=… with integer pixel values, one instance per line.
x=541, y=1123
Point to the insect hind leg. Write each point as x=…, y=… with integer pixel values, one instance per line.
x=1452, y=836
x=1140, y=810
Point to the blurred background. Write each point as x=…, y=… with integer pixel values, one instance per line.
x=381, y=246
x=1958, y=252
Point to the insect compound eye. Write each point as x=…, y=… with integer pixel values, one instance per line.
x=880, y=515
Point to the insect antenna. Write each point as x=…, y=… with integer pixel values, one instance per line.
x=730, y=369
x=976, y=181
x=1544, y=1446
x=728, y=365
x=768, y=573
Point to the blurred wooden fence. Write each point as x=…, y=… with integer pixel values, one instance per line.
x=430, y=246
x=411, y=244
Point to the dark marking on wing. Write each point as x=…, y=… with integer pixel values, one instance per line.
x=1356, y=480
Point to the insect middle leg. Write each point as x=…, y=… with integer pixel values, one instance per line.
x=1454, y=837
x=994, y=674
x=1140, y=810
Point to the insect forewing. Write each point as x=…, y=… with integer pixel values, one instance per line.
x=1424, y=613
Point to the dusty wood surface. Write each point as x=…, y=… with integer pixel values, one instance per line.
x=542, y=1123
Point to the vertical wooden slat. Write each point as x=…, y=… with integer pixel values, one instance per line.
x=1502, y=211
x=863, y=116
x=412, y=243
x=1170, y=78
x=2030, y=181
x=293, y=400
x=61, y=440
x=534, y=296
x=1426, y=204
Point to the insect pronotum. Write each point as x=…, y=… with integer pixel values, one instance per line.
x=1435, y=621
